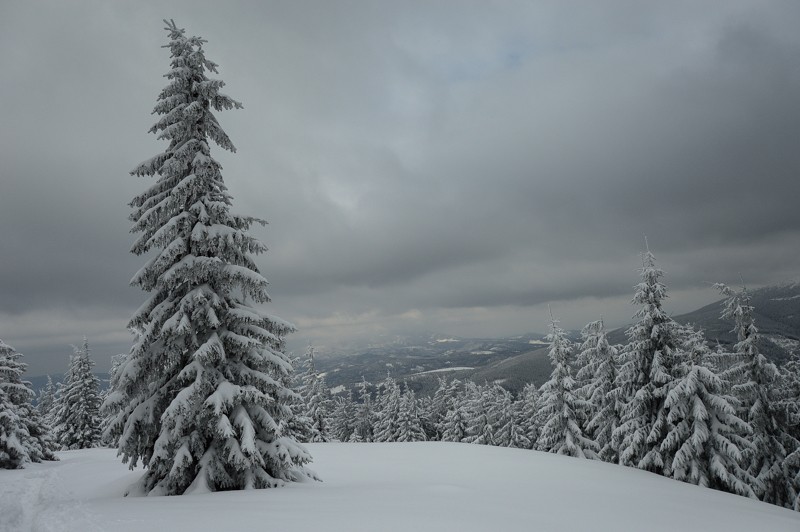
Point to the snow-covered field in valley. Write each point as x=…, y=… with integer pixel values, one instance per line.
x=386, y=487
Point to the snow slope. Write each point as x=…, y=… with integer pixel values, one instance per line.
x=387, y=487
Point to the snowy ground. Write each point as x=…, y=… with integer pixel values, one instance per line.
x=387, y=487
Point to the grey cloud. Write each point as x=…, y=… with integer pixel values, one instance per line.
x=448, y=164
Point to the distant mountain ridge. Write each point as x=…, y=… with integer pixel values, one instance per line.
x=515, y=361
x=421, y=359
x=777, y=318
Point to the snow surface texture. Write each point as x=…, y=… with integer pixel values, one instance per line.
x=387, y=487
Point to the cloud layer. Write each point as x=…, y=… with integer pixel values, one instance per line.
x=450, y=166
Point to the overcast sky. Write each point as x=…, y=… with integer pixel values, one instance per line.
x=451, y=166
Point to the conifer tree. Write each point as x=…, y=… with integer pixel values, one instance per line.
x=507, y=429
x=437, y=409
x=365, y=416
x=480, y=421
x=41, y=443
x=202, y=397
x=111, y=406
x=706, y=438
x=530, y=418
x=426, y=411
x=388, y=424
x=13, y=452
x=756, y=384
x=297, y=426
x=343, y=418
x=790, y=405
x=77, y=414
x=561, y=432
x=309, y=376
x=443, y=403
x=319, y=407
x=646, y=375
x=455, y=426
x=46, y=402
x=789, y=394
x=409, y=424
x=24, y=436
x=598, y=371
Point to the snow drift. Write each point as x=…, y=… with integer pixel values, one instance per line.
x=387, y=487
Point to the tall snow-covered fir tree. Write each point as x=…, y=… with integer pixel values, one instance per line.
x=409, y=424
x=455, y=425
x=298, y=425
x=646, y=375
x=705, y=437
x=108, y=412
x=46, y=400
x=598, y=369
x=319, y=407
x=509, y=431
x=387, y=425
x=756, y=384
x=201, y=396
x=343, y=421
x=445, y=400
x=530, y=419
x=24, y=436
x=481, y=412
x=440, y=403
x=790, y=404
x=789, y=394
x=76, y=420
x=309, y=375
x=364, y=414
x=561, y=432
x=425, y=408
x=317, y=402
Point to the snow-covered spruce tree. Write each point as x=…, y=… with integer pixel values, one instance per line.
x=481, y=414
x=598, y=369
x=425, y=409
x=705, y=437
x=107, y=413
x=530, y=419
x=343, y=420
x=789, y=394
x=13, y=453
x=561, y=432
x=201, y=395
x=793, y=464
x=447, y=401
x=46, y=400
x=409, y=425
x=756, y=384
x=319, y=407
x=455, y=426
x=508, y=432
x=24, y=436
x=646, y=375
x=790, y=405
x=364, y=414
x=297, y=426
x=77, y=421
x=309, y=375
x=387, y=425
x=317, y=402
x=437, y=409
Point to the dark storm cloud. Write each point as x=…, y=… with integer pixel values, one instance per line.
x=450, y=165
